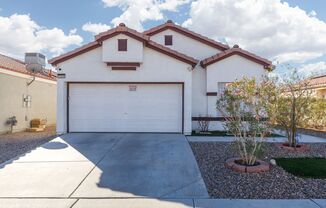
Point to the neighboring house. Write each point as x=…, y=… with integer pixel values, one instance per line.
x=318, y=84
x=25, y=102
x=160, y=80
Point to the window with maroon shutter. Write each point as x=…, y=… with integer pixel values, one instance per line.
x=168, y=39
x=122, y=44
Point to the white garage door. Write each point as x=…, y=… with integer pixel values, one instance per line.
x=125, y=107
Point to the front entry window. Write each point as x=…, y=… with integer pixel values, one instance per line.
x=221, y=86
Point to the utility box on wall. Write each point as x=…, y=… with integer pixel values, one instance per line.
x=27, y=99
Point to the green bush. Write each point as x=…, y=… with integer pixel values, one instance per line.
x=317, y=114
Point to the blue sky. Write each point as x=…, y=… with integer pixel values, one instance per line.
x=312, y=5
x=55, y=27
x=75, y=13
x=317, y=5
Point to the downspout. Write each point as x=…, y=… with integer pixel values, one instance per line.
x=29, y=83
x=27, y=93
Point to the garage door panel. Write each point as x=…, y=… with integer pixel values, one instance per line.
x=114, y=108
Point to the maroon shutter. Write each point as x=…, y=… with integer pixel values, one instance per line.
x=122, y=44
x=168, y=39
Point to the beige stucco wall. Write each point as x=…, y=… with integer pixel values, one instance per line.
x=43, y=100
x=320, y=93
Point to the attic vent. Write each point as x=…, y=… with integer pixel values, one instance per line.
x=168, y=39
x=122, y=44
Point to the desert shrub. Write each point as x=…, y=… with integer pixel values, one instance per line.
x=288, y=104
x=242, y=105
x=317, y=114
x=203, y=123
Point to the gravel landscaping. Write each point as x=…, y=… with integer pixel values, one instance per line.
x=274, y=184
x=12, y=145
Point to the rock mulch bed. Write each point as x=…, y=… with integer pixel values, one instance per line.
x=222, y=182
x=12, y=145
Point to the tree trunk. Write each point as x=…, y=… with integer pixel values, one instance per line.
x=292, y=141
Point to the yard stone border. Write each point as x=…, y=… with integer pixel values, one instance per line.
x=262, y=167
x=301, y=148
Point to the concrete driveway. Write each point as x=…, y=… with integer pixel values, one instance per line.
x=103, y=165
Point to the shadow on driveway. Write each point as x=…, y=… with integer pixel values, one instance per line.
x=103, y=165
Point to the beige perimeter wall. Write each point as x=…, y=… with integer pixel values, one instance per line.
x=321, y=93
x=43, y=101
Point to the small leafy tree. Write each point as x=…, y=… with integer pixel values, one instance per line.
x=289, y=104
x=317, y=116
x=242, y=105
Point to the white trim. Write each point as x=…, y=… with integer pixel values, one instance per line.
x=21, y=75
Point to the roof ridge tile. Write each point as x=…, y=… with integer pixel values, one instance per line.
x=188, y=32
x=236, y=50
x=128, y=31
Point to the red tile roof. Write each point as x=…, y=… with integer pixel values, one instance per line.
x=122, y=29
x=16, y=65
x=170, y=25
x=145, y=38
x=319, y=81
x=237, y=51
x=75, y=52
x=172, y=53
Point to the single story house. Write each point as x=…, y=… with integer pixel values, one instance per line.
x=318, y=85
x=160, y=80
x=25, y=95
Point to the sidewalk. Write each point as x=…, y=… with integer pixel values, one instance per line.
x=161, y=203
x=304, y=139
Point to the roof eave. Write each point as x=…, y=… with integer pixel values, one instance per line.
x=185, y=31
x=211, y=60
x=189, y=60
x=30, y=74
x=108, y=36
x=56, y=60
